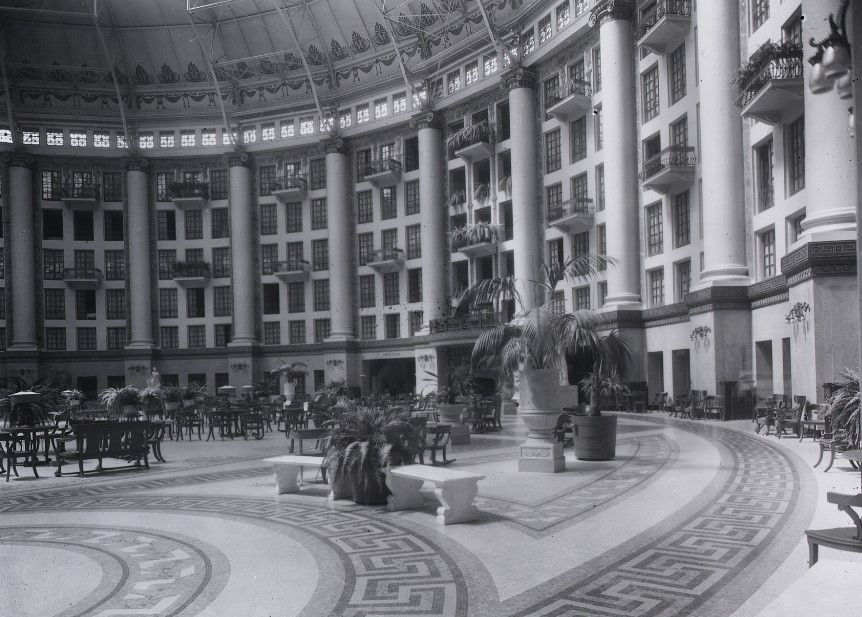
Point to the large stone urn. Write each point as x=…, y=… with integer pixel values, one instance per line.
x=289, y=391
x=540, y=407
x=459, y=434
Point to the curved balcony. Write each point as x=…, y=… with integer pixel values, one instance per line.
x=669, y=170
x=572, y=100
x=572, y=216
x=664, y=27
x=191, y=273
x=82, y=278
x=382, y=173
x=469, y=321
x=189, y=194
x=385, y=260
x=775, y=90
x=292, y=270
x=290, y=189
x=82, y=197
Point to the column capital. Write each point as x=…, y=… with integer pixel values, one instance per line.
x=19, y=159
x=611, y=10
x=518, y=77
x=237, y=159
x=137, y=163
x=335, y=145
x=426, y=119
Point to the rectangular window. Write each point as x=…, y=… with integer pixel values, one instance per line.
x=115, y=302
x=268, y=258
x=389, y=238
x=195, y=303
x=86, y=339
x=363, y=114
x=167, y=225
x=366, y=245
x=101, y=139
x=162, y=182
x=78, y=139
x=602, y=239
x=116, y=338
x=54, y=137
x=363, y=161
x=489, y=65
x=763, y=176
x=294, y=217
x=271, y=299
x=391, y=288
x=545, y=31
x=296, y=332
x=267, y=131
x=676, y=68
x=222, y=334
x=655, y=230
x=551, y=92
x=453, y=81
x=294, y=251
x=166, y=261
x=767, y=253
x=85, y=260
x=223, y=300
x=113, y=223
x=365, y=207
x=52, y=224
x=597, y=69
x=208, y=137
x=220, y=223
x=321, y=294
x=55, y=339
x=563, y=15
x=249, y=135
x=552, y=151
x=168, y=303
x=578, y=136
x=169, y=337
x=166, y=139
x=320, y=255
x=650, y=90
x=55, y=303
x=345, y=119
x=796, y=155
x=267, y=177
x=600, y=187
x=582, y=298
x=318, y=174
x=85, y=304
x=322, y=328
x=368, y=328
x=683, y=279
x=268, y=219
x=388, y=203
x=399, y=103
x=221, y=262
x=381, y=108
x=554, y=196
x=112, y=186
x=367, y=297
x=187, y=138
x=194, y=224
x=759, y=13
x=599, y=128
x=296, y=297
x=528, y=46
x=414, y=322
x=471, y=72
x=219, y=184
x=271, y=333
x=555, y=252
x=146, y=141
x=601, y=292
x=30, y=137
x=681, y=219
x=52, y=185
x=679, y=132
x=306, y=126
x=393, y=325
x=580, y=244
x=656, y=287
x=197, y=337
x=414, y=242
x=411, y=197
x=414, y=285
x=288, y=129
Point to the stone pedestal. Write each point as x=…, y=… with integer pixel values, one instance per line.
x=540, y=408
x=454, y=415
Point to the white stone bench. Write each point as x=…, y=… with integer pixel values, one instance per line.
x=288, y=467
x=455, y=489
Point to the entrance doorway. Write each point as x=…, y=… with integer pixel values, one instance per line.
x=655, y=371
x=787, y=368
x=391, y=376
x=763, y=368
x=681, y=372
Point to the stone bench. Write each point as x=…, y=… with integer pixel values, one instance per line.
x=288, y=467
x=455, y=489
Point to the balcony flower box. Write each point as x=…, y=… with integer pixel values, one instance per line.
x=192, y=194
x=191, y=273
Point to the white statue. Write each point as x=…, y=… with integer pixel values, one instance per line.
x=154, y=380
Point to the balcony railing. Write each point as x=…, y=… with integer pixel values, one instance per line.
x=578, y=205
x=773, y=69
x=190, y=269
x=292, y=265
x=672, y=156
x=467, y=321
x=297, y=183
x=574, y=86
x=383, y=165
x=384, y=255
x=82, y=274
x=82, y=192
x=188, y=190
x=680, y=8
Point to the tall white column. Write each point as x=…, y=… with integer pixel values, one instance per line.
x=721, y=154
x=340, y=246
x=140, y=281
x=527, y=217
x=242, y=248
x=830, y=155
x=433, y=226
x=620, y=146
x=21, y=238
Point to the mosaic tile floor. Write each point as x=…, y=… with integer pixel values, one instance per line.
x=692, y=518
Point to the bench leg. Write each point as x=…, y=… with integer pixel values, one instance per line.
x=285, y=478
x=457, y=502
x=405, y=493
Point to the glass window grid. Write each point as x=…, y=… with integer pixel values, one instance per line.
x=222, y=301
x=391, y=288
x=399, y=103
x=489, y=65
x=268, y=219
x=545, y=29
x=555, y=251
x=296, y=297
x=759, y=13
x=579, y=187
x=414, y=241
x=581, y=244
x=195, y=303
x=389, y=238
x=113, y=225
x=320, y=255
x=54, y=137
x=322, y=329
x=682, y=219
x=296, y=332
x=381, y=108
x=345, y=119
x=767, y=253
x=86, y=339
x=599, y=128
x=582, y=298
x=306, y=125
x=414, y=285
x=271, y=299
x=529, y=42
x=52, y=185
x=115, y=303
x=221, y=262
x=219, y=184
x=392, y=323
x=169, y=337
x=146, y=141
x=295, y=251
x=167, y=257
x=365, y=206
x=367, y=295
x=268, y=258
x=162, y=182
x=388, y=203
x=288, y=129
x=168, y=303
x=321, y=294
x=683, y=279
x=167, y=225
x=363, y=114
x=249, y=135
x=650, y=89
x=222, y=334
x=116, y=337
x=220, y=223
x=363, y=159
x=471, y=73
x=294, y=217
x=85, y=259
x=563, y=15
x=197, y=336
x=55, y=339
x=366, y=245
x=30, y=137
x=271, y=333
x=655, y=230
x=679, y=132
x=267, y=176
x=554, y=195
x=602, y=239
x=656, y=286
x=318, y=174
x=552, y=151
x=188, y=138
x=796, y=155
x=597, y=69
x=453, y=81
x=411, y=197
x=112, y=186
x=166, y=139
x=414, y=322
x=578, y=132
x=267, y=131
x=101, y=139
x=676, y=62
x=55, y=303
x=194, y=224
x=208, y=137
x=368, y=327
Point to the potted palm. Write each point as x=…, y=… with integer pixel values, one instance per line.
x=363, y=444
x=459, y=384
x=27, y=404
x=842, y=411
x=288, y=374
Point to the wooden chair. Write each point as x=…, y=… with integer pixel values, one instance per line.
x=839, y=538
x=714, y=406
x=680, y=402
x=764, y=416
x=814, y=421
x=421, y=423
x=695, y=409
x=253, y=425
x=659, y=403
x=155, y=437
x=220, y=421
x=836, y=440
x=563, y=429
x=189, y=420
x=21, y=445
x=791, y=419
x=639, y=401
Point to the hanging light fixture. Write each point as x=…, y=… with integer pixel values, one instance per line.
x=831, y=62
x=844, y=86
x=817, y=80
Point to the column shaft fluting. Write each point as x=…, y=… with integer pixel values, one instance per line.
x=21, y=238
x=242, y=248
x=140, y=281
x=340, y=246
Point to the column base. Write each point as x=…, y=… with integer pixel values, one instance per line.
x=339, y=337
x=23, y=346
x=142, y=345
x=541, y=456
x=628, y=301
x=835, y=224
x=246, y=341
x=723, y=275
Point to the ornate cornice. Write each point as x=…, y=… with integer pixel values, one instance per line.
x=717, y=299
x=238, y=159
x=774, y=286
x=617, y=319
x=137, y=164
x=834, y=258
x=663, y=315
x=427, y=119
x=518, y=77
x=611, y=10
x=335, y=145
x=19, y=159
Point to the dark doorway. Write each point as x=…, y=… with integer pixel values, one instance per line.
x=392, y=376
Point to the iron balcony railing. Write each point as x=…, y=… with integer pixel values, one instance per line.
x=578, y=205
x=672, y=156
x=392, y=254
x=387, y=164
x=574, y=86
x=292, y=265
x=85, y=274
x=185, y=190
x=775, y=68
x=467, y=321
x=289, y=182
x=87, y=191
x=185, y=269
x=662, y=8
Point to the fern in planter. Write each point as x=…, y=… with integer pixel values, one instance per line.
x=843, y=405
x=505, y=184
x=469, y=135
x=477, y=233
x=457, y=198
x=481, y=192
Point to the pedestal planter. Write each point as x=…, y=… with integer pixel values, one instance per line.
x=172, y=405
x=595, y=437
x=452, y=414
x=540, y=406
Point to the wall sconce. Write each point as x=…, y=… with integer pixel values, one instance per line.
x=700, y=333
x=797, y=313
